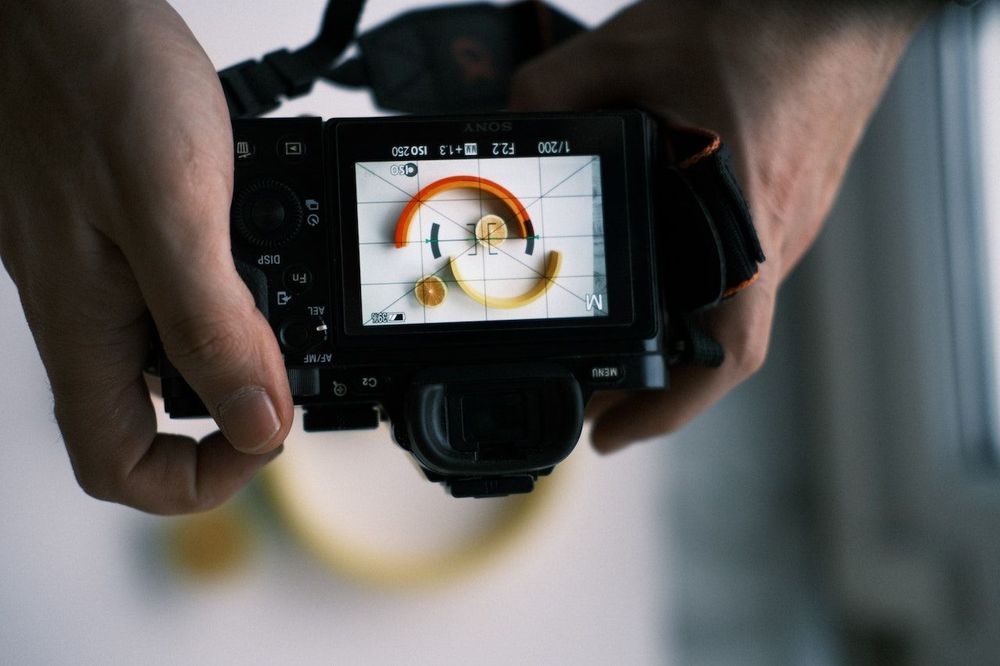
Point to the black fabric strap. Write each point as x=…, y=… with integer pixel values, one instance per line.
x=709, y=250
x=253, y=88
x=441, y=60
x=454, y=59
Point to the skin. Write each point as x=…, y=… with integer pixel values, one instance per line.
x=790, y=86
x=114, y=212
x=117, y=182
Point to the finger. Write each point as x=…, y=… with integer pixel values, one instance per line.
x=176, y=241
x=93, y=336
x=222, y=345
x=743, y=326
x=602, y=401
x=649, y=414
x=125, y=460
x=586, y=71
x=211, y=329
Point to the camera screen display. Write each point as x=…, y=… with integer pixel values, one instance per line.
x=470, y=233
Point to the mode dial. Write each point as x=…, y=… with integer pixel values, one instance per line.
x=267, y=213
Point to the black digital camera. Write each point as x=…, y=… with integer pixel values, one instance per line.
x=474, y=279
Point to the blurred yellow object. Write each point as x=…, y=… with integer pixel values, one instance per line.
x=402, y=533
x=214, y=544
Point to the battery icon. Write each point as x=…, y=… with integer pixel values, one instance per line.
x=397, y=316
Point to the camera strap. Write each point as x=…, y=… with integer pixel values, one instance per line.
x=253, y=87
x=710, y=249
x=454, y=59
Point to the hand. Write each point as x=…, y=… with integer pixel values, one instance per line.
x=789, y=86
x=114, y=205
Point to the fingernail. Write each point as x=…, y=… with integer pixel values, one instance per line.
x=248, y=419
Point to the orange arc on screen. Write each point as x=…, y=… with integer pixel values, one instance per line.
x=525, y=228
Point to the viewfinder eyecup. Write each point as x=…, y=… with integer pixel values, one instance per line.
x=513, y=419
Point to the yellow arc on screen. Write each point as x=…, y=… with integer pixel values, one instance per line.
x=552, y=266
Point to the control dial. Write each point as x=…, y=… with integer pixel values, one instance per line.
x=267, y=213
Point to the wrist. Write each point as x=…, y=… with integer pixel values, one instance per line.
x=800, y=82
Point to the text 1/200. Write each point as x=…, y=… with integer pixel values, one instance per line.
x=553, y=148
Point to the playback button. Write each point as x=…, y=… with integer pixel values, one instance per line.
x=291, y=148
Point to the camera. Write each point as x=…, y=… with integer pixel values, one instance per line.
x=471, y=279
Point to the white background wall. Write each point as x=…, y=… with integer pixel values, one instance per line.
x=824, y=499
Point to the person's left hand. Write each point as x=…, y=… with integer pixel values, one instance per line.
x=789, y=86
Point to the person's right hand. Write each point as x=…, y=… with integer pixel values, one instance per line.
x=115, y=185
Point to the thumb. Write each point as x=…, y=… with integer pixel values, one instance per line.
x=213, y=333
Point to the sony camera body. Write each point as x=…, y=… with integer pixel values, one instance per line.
x=472, y=279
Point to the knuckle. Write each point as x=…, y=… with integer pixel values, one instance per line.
x=99, y=481
x=529, y=85
x=97, y=476
x=196, y=342
x=177, y=480
x=747, y=345
x=752, y=355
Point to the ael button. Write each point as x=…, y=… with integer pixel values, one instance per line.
x=300, y=334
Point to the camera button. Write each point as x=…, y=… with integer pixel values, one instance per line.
x=372, y=383
x=244, y=150
x=267, y=213
x=304, y=382
x=298, y=279
x=291, y=148
x=300, y=334
x=606, y=374
x=295, y=335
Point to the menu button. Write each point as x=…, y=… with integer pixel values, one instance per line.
x=607, y=373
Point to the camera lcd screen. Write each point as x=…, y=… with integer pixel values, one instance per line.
x=480, y=237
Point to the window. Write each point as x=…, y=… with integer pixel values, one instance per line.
x=987, y=63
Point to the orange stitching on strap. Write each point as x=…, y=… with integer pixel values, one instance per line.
x=705, y=152
x=732, y=291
